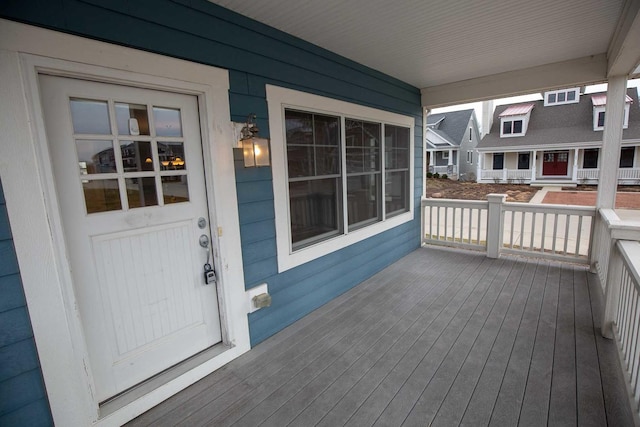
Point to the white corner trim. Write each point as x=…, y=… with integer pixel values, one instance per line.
x=26, y=171
x=277, y=99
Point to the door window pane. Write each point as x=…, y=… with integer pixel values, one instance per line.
x=136, y=156
x=101, y=195
x=167, y=121
x=95, y=156
x=138, y=126
x=171, y=156
x=363, y=199
x=90, y=117
x=141, y=192
x=314, y=210
x=175, y=189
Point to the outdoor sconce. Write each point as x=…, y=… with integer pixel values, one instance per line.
x=254, y=149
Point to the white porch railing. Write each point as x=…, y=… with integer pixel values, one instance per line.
x=627, y=175
x=444, y=169
x=507, y=175
x=588, y=174
x=617, y=261
x=549, y=231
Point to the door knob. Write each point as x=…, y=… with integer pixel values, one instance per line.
x=204, y=241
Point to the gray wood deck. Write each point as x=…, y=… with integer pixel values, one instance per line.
x=442, y=337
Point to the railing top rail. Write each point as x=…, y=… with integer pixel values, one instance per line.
x=620, y=229
x=630, y=252
x=455, y=203
x=528, y=207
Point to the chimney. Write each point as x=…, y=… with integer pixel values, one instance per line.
x=487, y=117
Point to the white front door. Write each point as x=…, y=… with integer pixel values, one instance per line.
x=130, y=184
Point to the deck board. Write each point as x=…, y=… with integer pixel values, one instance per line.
x=442, y=336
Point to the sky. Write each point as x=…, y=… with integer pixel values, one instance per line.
x=524, y=98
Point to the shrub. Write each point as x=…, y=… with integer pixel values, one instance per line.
x=429, y=175
x=496, y=180
x=436, y=175
x=444, y=176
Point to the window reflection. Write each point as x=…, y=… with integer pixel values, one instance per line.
x=171, y=156
x=90, y=117
x=167, y=121
x=141, y=192
x=175, y=189
x=101, y=195
x=125, y=112
x=136, y=156
x=95, y=156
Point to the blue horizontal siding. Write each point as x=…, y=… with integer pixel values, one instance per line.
x=255, y=55
x=22, y=394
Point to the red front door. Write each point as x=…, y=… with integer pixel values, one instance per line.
x=555, y=163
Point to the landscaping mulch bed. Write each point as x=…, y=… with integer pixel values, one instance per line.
x=449, y=189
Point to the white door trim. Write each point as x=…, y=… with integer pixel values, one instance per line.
x=35, y=218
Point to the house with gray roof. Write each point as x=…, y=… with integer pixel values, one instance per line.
x=451, y=139
x=557, y=140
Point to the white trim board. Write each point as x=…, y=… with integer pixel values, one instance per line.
x=277, y=99
x=27, y=180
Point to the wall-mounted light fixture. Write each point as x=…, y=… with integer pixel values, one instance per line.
x=254, y=149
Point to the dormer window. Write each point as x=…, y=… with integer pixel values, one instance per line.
x=599, y=103
x=563, y=96
x=515, y=120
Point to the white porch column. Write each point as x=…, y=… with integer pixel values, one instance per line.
x=574, y=174
x=450, y=162
x=430, y=161
x=532, y=163
x=611, y=141
x=479, y=164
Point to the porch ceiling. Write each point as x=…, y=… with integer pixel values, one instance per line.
x=464, y=51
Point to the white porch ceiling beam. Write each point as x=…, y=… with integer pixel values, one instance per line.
x=624, y=50
x=576, y=72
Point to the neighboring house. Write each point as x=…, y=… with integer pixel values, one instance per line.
x=557, y=140
x=123, y=166
x=451, y=140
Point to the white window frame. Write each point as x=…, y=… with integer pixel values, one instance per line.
x=601, y=109
x=445, y=155
x=575, y=90
x=525, y=123
x=25, y=51
x=470, y=157
x=279, y=98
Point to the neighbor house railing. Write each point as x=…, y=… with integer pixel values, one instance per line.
x=617, y=262
x=495, y=226
x=625, y=175
x=506, y=175
x=450, y=169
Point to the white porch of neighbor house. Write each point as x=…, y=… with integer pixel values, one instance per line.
x=443, y=161
x=561, y=166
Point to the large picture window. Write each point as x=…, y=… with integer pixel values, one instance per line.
x=341, y=173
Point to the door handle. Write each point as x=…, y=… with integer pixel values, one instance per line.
x=204, y=241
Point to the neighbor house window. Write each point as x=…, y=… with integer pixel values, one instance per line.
x=523, y=160
x=564, y=96
x=341, y=173
x=470, y=157
x=445, y=155
x=512, y=127
x=514, y=120
x=470, y=135
x=626, y=157
x=590, y=159
x=498, y=161
x=599, y=115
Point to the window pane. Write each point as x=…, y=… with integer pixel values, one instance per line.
x=551, y=98
x=124, y=112
x=299, y=128
x=354, y=134
x=523, y=161
x=363, y=195
x=562, y=96
x=315, y=210
x=95, y=156
x=590, y=160
x=327, y=161
x=136, y=156
x=396, y=147
x=326, y=130
x=601, y=119
x=300, y=160
x=171, y=155
x=626, y=157
x=498, y=161
x=141, y=192
x=517, y=126
x=101, y=195
x=571, y=96
x=506, y=128
x=90, y=116
x=396, y=193
x=167, y=121
x=175, y=189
